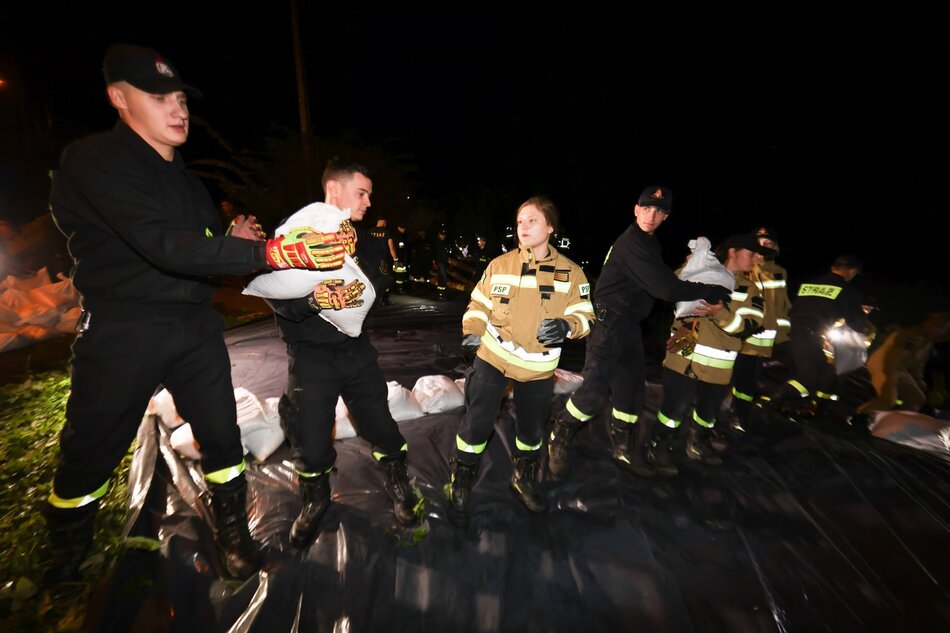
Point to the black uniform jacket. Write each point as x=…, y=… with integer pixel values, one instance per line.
x=822, y=301
x=634, y=274
x=141, y=230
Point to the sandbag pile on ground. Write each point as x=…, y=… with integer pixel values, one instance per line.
x=35, y=308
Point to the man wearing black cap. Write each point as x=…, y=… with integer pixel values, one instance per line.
x=145, y=236
x=820, y=305
x=632, y=277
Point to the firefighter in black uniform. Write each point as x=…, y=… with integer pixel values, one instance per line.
x=481, y=256
x=819, y=305
x=324, y=364
x=401, y=263
x=440, y=255
x=145, y=236
x=381, y=260
x=633, y=274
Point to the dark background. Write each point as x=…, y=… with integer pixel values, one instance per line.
x=830, y=127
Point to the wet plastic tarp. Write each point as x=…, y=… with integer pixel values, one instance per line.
x=801, y=529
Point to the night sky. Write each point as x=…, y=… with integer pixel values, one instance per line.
x=832, y=128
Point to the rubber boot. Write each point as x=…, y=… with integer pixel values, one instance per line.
x=316, y=500
x=697, y=446
x=460, y=488
x=661, y=453
x=561, y=436
x=229, y=502
x=398, y=487
x=621, y=434
x=524, y=481
x=70, y=538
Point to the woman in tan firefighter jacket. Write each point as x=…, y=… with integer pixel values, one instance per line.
x=527, y=303
x=770, y=279
x=701, y=369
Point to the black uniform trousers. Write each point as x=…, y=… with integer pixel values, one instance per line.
x=745, y=374
x=812, y=368
x=680, y=392
x=118, y=363
x=318, y=376
x=614, y=363
x=484, y=388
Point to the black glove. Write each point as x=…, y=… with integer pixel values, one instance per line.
x=553, y=331
x=471, y=343
x=715, y=294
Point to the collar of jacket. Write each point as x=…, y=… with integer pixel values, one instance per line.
x=527, y=255
x=131, y=139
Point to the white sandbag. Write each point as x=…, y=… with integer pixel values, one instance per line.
x=437, y=393
x=58, y=296
x=402, y=404
x=566, y=382
x=183, y=441
x=261, y=434
x=702, y=267
x=460, y=383
x=343, y=425
x=297, y=283
x=163, y=405
x=68, y=320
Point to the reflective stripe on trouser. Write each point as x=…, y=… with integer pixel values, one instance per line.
x=318, y=376
x=78, y=502
x=378, y=455
x=613, y=364
x=630, y=418
x=484, y=388
x=224, y=475
x=679, y=393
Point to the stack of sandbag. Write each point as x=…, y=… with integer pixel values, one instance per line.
x=35, y=308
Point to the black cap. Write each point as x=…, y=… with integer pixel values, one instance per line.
x=767, y=233
x=747, y=241
x=657, y=196
x=143, y=68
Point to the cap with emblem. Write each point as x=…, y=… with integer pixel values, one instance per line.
x=657, y=196
x=144, y=69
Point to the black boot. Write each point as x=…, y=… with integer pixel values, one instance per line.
x=460, y=487
x=697, y=446
x=398, y=487
x=229, y=501
x=316, y=500
x=661, y=453
x=561, y=436
x=621, y=434
x=524, y=481
x=70, y=537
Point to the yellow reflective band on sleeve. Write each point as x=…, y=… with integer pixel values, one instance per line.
x=577, y=413
x=521, y=446
x=630, y=418
x=609, y=251
x=765, y=338
x=783, y=322
x=712, y=357
x=306, y=475
x=225, y=475
x=479, y=297
x=208, y=232
x=750, y=312
x=78, y=502
x=799, y=387
x=666, y=420
x=476, y=449
x=819, y=290
x=563, y=287
x=734, y=325
x=742, y=396
x=583, y=306
x=475, y=314
x=739, y=296
x=702, y=422
x=772, y=284
x=825, y=396
x=585, y=325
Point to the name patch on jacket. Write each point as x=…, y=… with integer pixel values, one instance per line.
x=501, y=289
x=584, y=290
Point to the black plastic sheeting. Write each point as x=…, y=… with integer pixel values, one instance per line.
x=801, y=529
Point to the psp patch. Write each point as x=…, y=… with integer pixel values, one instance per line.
x=501, y=289
x=584, y=290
